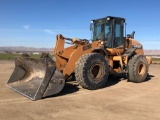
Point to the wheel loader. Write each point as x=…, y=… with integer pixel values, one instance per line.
x=110, y=52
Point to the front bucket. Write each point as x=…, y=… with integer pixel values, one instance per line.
x=36, y=78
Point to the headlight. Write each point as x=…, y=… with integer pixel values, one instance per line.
x=102, y=42
x=108, y=18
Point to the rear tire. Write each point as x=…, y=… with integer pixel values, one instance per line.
x=92, y=71
x=138, y=69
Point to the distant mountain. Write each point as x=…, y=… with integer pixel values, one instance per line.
x=21, y=48
x=32, y=49
x=152, y=52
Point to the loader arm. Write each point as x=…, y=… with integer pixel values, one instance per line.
x=58, y=50
x=66, y=58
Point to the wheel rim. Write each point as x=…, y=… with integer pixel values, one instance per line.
x=141, y=69
x=96, y=71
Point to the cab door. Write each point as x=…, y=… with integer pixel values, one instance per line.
x=118, y=40
x=116, y=44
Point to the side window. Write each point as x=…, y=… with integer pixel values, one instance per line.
x=117, y=30
x=107, y=29
x=117, y=38
x=108, y=34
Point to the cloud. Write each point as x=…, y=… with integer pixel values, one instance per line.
x=26, y=27
x=49, y=31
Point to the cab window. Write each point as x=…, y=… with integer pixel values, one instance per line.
x=118, y=35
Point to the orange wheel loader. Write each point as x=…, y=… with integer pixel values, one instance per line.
x=110, y=52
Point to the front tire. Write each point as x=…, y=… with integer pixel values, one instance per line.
x=138, y=69
x=92, y=71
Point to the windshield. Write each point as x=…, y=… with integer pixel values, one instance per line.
x=101, y=30
x=98, y=33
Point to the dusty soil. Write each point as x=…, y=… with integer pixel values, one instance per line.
x=119, y=100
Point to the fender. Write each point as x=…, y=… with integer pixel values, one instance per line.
x=70, y=66
x=130, y=52
x=101, y=50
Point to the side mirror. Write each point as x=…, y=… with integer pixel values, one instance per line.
x=91, y=25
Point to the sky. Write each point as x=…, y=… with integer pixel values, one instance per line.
x=35, y=23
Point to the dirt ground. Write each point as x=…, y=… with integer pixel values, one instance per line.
x=119, y=100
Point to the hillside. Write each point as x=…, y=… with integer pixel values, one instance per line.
x=152, y=52
x=21, y=49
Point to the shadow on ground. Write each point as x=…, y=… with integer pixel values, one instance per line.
x=149, y=77
x=72, y=87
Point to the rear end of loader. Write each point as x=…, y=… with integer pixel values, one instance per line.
x=36, y=78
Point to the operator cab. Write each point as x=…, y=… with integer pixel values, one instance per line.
x=109, y=29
